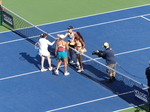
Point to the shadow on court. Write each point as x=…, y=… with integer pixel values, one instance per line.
x=122, y=86
x=32, y=60
x=36, y=61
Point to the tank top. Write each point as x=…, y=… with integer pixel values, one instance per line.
x=71, y=36
x=61, y=47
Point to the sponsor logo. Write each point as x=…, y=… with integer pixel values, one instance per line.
x=141, y=94
x=8, y=19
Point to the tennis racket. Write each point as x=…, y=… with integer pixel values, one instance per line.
x=37, y=46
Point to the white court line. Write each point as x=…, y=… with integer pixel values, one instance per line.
x=124, y=109
x=65, y=30
x=122, y=53
x=89, y=16
x=96, y=14
x=145, y=18
x=132, y=51
x=19, y=75
x=11, y=41
x=91, y=101
x=63, y=65
x=103, y=23
x=6, y=42
x=83, y=27
x=28, y=73
x=78, y=104
x=92, y=26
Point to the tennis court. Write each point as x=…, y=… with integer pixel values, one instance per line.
x=24, y=88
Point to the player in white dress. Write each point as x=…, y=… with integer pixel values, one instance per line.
x=43, y=51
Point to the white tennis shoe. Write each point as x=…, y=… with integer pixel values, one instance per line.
x=66, y=73
x=80, y=70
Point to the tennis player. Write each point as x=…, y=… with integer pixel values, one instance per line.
x=108, y=55
x=61, y=53
x=71, y=34
x=43, y=51
x=79, y=43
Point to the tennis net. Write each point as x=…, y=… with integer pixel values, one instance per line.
x=21, y=26
x=93, y=69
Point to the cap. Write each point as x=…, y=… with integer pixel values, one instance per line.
x=70, y=27
x=62, y=36
x=105, y=44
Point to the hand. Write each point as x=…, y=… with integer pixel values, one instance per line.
x=56, y=39
x=55, y=53
x=58, y=35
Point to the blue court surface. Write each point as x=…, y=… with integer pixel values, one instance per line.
x=23, y=88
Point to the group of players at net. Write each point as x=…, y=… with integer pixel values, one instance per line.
x=75, y=42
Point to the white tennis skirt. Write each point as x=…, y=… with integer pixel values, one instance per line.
x=44, y=53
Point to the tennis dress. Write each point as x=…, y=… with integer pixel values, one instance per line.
x=43, y=43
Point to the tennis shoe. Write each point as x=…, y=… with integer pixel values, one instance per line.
x=66, y=73
x=80, y=70
x=56, y=72
x=77, y=63
x=43, y=70
x=109, y=80
x=78, y=67
x=50, y=69
x=71, y=62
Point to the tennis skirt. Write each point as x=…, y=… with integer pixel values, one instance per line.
x=44, y=53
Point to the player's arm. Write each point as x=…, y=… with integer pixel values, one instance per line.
x=60, y=34
x=50, y=43
x=83, y=44
x=64, y=35
x=56, y=48
x=67, y=46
